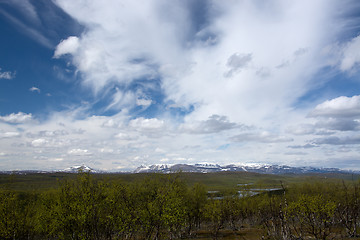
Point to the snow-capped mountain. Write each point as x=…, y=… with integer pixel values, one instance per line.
x=79, y=168
x=202, y=168
x=153, y=168
x=252, y=167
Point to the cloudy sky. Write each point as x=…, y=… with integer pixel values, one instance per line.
x=120, y=83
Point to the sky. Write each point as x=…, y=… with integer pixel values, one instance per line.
x=120, y=83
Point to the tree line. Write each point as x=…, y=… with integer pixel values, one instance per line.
x=164, y=207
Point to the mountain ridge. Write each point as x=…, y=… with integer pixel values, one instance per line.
x=253, y=167
x=201, y=168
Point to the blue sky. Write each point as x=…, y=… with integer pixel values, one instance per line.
x=119, y=84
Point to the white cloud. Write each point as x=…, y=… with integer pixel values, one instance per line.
x=122, y=100
x=56, y=159
x=129, y=44
x=343, y=140
x=125, y=136
x=7, y=75
x=160, y=150
x=143, y=102
x=339, y=124
x=79, y=152
x=305, y=146
x=50, y=143
x=296, y=153
x=243, y=63
x=148, y=138
x=236, y=62
x=214, y=124
x=19, y=117
x=67, y=46
x=301, y=129
x=9, y=134
x=55, y=133
x=351, y=55
x=264, y=137
x=338, y=116
x=40, y=142
x=147, y=124
x=34, y=89
x=336, y=120
x=106, y=150
x=327, y=126
x=338, y=107
x=111, y=123
x=265, y=43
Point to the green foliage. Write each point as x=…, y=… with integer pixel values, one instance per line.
x=78, y=208
x=16, y=215
x=167, y=206
x=313, y=215
x=214, y=214
x=195, y=202
x=163, y=207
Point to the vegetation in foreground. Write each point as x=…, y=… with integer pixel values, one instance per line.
x=85, y=206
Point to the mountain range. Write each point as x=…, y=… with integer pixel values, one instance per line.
x=257, y=168
x=203, y=168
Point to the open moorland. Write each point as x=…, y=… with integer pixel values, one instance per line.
x=222, y=205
